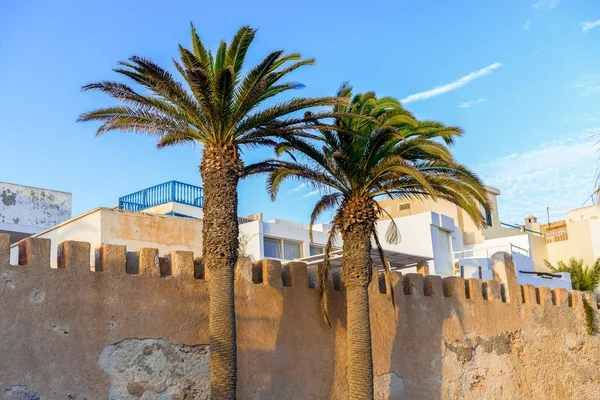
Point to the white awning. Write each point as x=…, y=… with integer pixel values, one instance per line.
x=396, y=259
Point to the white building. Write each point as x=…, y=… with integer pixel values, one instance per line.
x=470, y=249
x=169, y=217
x=26, y=210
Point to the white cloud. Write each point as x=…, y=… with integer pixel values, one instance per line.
x=468, y=104
x=545, y=4
x=313, y=193
x=527, y=25
x=588, y=85
x=452, y=85
x=560, y=175
x=587, y=25
x=536, y=52
x=297, y=188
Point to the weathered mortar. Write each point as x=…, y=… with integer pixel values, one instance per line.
x=126, y=333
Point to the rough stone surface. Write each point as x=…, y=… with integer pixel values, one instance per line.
x=34, y=252
x=73, y=334
x=389, y=386
x=111, y=258
x=156, y=369
x=4, y=249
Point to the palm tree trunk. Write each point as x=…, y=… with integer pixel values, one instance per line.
x=221, y=171
x=357, y=273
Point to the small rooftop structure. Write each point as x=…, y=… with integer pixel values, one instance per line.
x=168, y=192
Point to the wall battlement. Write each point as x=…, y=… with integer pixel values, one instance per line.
x=135, y=325
x=117, y=260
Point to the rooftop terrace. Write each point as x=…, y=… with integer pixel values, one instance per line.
x=167, y=192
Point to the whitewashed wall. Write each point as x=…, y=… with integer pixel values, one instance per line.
x=33, y=207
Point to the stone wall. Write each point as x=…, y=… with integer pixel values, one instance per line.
x=136, y=327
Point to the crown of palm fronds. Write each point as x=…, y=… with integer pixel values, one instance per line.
x=215, y=104
x=385, y=152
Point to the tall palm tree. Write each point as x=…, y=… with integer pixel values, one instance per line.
x=386, y=152
x=215, y=105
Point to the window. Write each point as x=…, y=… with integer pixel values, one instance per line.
x=291, y=250
x=272, y=248
x=282, y=249
x=488, y=217
x=315, y=250
x=402, y=207
x=444, y=240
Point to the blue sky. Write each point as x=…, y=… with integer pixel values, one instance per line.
x=522, y=78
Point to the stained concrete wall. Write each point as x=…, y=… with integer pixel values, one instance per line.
x=30, y=206
x=70, y=333
x=26, y=210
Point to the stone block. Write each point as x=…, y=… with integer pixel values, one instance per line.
x=492, y=291
x=454, y=286
x=560, y=297
x=433, y=286
x=528, y=294
x=474, y=289
x=413, y=284
x=148, y=262
x=575, y=299
x=4, y=249
x=182, y=264
x=271, y=273
x=544, y=295
x=74, y=255
x=591, y=298
x=34, y=252
x=295, y=274
x=111, y=258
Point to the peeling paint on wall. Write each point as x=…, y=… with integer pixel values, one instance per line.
x=34, y=207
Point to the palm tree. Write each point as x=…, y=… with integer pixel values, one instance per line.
x=582, y=278
x=216, y=105
x=386, y=152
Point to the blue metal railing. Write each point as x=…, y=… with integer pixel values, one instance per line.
x=161, y=194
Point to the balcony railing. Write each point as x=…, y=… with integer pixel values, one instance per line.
x=557, y=235
x=172, y=191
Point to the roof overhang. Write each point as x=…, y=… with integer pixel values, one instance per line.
x=396, y=259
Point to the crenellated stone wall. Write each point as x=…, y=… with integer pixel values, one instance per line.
x=135, y=326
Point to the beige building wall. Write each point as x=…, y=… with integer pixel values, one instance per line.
x=578, y=245
x=539, y=252
x=130, y=228
x=471, y=233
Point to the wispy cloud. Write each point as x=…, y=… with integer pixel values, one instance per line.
x=536, y=51
x=587, y=25
x=448, y=87
x=313, y=193
x=468, y=104
x=560, y=174
x=527, y=25
x=588, y=85
x=297, y=188
x=545, y=4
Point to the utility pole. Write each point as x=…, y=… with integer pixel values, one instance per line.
x=548, y=214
